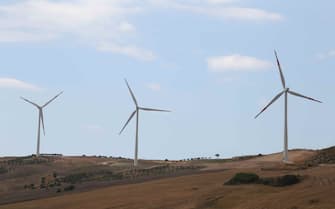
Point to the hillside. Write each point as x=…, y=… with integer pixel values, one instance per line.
x=195, y=184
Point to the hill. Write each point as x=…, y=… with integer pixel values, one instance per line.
x=196, y=184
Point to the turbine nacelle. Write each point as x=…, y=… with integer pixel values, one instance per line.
x=138, y=108
x=40, y=117
x=285, y=91
x=136, y=111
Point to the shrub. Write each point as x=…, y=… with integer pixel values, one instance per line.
x=69, y=188
x=286, y=180
x=281, y=180
x=43, y=183
x=249, y=178
x=29, y=186
x=3, y=170
x=243, y=178
x=76, y=177
x=57, y=182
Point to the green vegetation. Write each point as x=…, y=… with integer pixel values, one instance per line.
x=324, y=156
x=27, y=160
x=243, y=178
x=90, y=176
x=251, y=178
x=43, y=183
x=3, y=170
x=281, y=180
x=69, y=188
x=29, y=186
x=76, y=177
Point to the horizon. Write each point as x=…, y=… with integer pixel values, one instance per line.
x=163, y=159
x=210, y=62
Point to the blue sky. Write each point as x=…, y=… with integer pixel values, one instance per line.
x=211, y=62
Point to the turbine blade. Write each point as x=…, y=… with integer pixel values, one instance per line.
x=280, y=71
x=52, y=99
x=131, y=93
x=30, y=102
x=272, y=101
x=151, y=109
x=42, y=120
x=131, y=116
x=300, y=95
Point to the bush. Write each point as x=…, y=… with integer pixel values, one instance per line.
x=288, y=180
x=76, y=177
x=57, y=182
x=243, y=178
x=281, y=180
x=3, y=170
x=29, y=186
x=249, y=178
x=69, y=188
x=43, y=183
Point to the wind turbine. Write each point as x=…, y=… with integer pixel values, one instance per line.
x=40, y=119
x=137, y=111
x=285, y=91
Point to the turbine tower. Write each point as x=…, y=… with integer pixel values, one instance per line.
x=285, y=91
x=40, y=119
x=137, y=110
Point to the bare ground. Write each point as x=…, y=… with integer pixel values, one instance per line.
x=205, y=190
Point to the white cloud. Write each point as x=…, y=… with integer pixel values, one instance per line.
x=234, y=13
x=131, y=51
x=126, y=27
x=22, y=36
x=329, y=54
x=251, y=14
x=236, y=63
x=154, y=86
x=80, y=17
x=105, y=21
x=91, y=22
x=225, y=9
x=12, y=83
x=221, y=1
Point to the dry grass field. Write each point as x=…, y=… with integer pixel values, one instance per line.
x=196, y=185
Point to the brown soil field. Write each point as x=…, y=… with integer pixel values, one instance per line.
x=205, y=189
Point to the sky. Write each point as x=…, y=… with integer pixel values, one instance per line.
x=211, y=62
